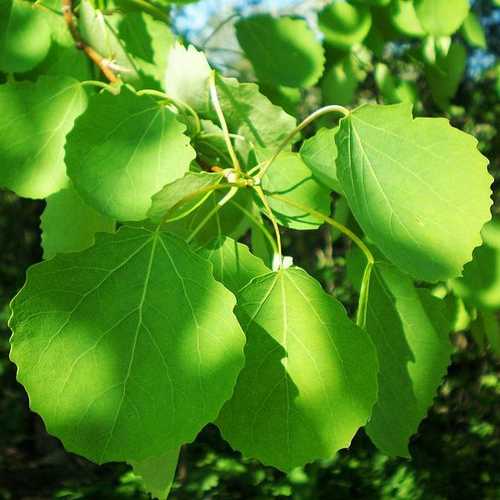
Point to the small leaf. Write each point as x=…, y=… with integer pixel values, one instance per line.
x=319, y=153
x=290, y=178
x=344, y=24
x=309, y=380
x=69, y=225
x=438, y=19
x=480, y=284
x=233, y=263
x=341, y=82
x=158, y=473
x=24, y=36
x=182, y=196
x=116, y=345
x=283, y=50
x=404, y=18
x=187, y=77
x=123, y=150
x=473, y=32
x=445, y=75
x=395, y=172
x=34, y=121
x=410, y=330
x=392, y=88
x=487, y=328
x=252, y=115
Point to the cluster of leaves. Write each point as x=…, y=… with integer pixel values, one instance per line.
x=149, y=319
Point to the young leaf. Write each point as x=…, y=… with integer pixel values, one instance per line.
x=345, y=24
x=473, y=32
x=410, y=330
x=290, y=178
x=252, y=115
x=233, y=263
x=116, y=346
x=34, y=121
x=24, y=36
x=187, y=77
x=182, y=196
x=438, y=19
x=319, y=153
x=123, y=150
x=480, y=284
x=309, y=380
x=283, y=50
x=69, y=225
x=395, y=172
x=157, y=473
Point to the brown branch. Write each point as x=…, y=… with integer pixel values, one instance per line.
x=93, y=55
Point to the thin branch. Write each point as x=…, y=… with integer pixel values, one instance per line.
x=102, y=63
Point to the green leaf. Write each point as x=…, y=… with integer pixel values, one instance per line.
x=404, y=18
x=116, y=346
x=487, y=328
x=410, y=330
x=290, y=178
x=473, y=32
x=97, y=31
x=445, y=75
x=344, y=24
x=439, y=18
x=319, y=153
x=24, y=36
x=34, y=121
x=157, y=473
x=252, y=115
x=69, y=225
x=148, y=42
x=341, y=81
x=123, y=150
x=182, y=196
x=233, y=263
x=480, y=284
x=282, y=50
x=309, y=380
x=187, y=77
x=392, y=88
x=395, y=172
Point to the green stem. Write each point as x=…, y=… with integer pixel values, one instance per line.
x=97, y=83
x=217, y=29
x=307, y=121
x=149, y=8
x=212, y=212
x=220, y=115
x=273, y=220
x=258, y=223
x=370, y=260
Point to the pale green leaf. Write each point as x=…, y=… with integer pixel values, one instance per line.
x=24, y=36
x=319, y=153
x=404, y=18
x=341, y=82
x=157, y=473
x=233, y=263
x=182, y=196
x=480, y=284
x=395, y=172
x=187, y=77
x=69, y=225
x=410, y=330
x=344, y=24
x=123, y=150
x=290, y=178
x=116, y=346
x=282, y=50
x=473, y=32
x=440, y=17
x=309, y=380
x=34, y=121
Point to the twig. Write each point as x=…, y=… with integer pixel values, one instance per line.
x=93, y=55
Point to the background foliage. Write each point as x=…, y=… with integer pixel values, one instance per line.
x=457, y=450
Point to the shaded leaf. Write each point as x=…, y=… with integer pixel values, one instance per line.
x=116, y=346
